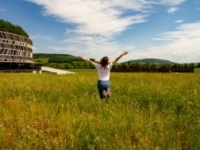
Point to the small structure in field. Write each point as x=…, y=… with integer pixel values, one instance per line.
x=55, y=71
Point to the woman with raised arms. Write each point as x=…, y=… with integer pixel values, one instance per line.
x=103, y=69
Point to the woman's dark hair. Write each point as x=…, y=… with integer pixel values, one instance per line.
x=104, y=61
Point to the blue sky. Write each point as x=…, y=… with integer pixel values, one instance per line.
x=163, y=29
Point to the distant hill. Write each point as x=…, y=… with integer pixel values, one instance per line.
x=151, y=61
x=74, y=58
x=66, y=58
x=61, y=61
x=66, y=61
x=54, y=58
x=48, y=55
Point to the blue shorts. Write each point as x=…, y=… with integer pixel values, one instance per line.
x=103, y=85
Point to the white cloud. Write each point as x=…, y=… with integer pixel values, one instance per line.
x=184, y=43
x=179, y=21
x=92, y=47
x=100, y=17
x=97, y=22
x=92, y=17
x=170, y=2
x=172, y=10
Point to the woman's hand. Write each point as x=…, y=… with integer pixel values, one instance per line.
x=87, y=60
x=125, y=52
x=81, y=57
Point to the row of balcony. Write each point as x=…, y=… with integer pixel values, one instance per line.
x=14, y=47
x=11, y=36
x=5, y=58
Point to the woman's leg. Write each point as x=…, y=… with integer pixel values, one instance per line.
x=100, y=93
x=108, y=93
x=100, y=89
x=104, y=89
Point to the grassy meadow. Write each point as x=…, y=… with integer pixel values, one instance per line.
x=147, y=111
x=197, y=70
x=42, y=60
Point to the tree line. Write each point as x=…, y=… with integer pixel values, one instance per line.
x=65, y=61
x=154, y=67
x=7, y=26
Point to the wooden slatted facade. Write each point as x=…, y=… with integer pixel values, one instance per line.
x=16, y=53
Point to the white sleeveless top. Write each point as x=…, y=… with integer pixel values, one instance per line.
x=103, y=73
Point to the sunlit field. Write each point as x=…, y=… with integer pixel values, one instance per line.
x=147, y=111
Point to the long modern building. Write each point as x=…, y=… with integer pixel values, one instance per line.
x=16, y=53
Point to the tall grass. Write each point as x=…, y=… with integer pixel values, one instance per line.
x=146, y=112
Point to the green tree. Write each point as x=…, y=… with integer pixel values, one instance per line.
x=68, y=66
x=60, y=66
x=198, y=65
x=164, y=66
x=192, y=65
x=92, y=59
x=133, y=65
x=176, y=66
x=124, y=65
x=9, y=27
x=139, y=65
x=186, y=65
x=129, y=63
x=147, y=65
x=154, y=66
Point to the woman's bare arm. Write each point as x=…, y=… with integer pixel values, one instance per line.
x=120, y=56
x=86, y=60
